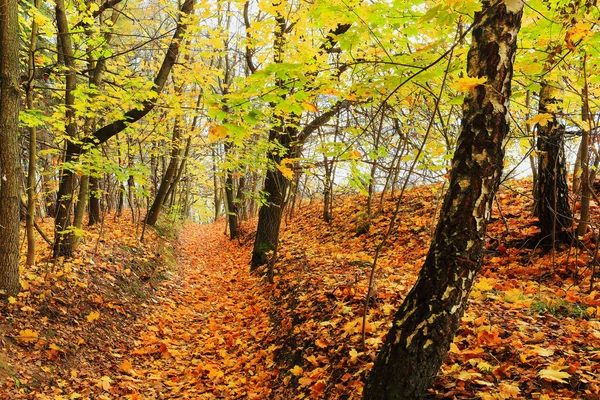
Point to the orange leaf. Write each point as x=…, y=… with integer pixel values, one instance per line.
x=125, y=366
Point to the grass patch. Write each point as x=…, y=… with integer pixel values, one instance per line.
x=559, y=308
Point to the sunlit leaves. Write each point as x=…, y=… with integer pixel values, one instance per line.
x=465, y=84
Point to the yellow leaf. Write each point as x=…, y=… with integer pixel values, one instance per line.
x=354, y=355
x=514, y=296
x=509, y=391
x=28, y=336
x=55, y=347
x=94, y=315
x=309, y=106
x=105, y=382
x=217, y=132
x=354, y=155
x=286, y=171
x=541, y=119
x=12, y=300
x=305, y=381
x=485, y=284
x=297, y=370
x=554, y=375
x=468, y=83
x=544, y=352
x=125, y=366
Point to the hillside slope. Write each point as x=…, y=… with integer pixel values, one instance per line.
x=136, y=320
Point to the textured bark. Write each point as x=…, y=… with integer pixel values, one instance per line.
x=79, y=213
x=31, y=171
x=551, y=189
x=94, y=209
x=62, y=237
x=270, y=213
x=10, y=167
x=426, y=322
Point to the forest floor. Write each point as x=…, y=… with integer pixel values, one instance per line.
x=182, y=317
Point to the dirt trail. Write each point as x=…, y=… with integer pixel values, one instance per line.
x=205, y=337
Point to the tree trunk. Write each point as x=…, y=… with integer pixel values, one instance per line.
x=95, y=196
x=62, y=238
x=551, y=190
x=585, y=182
x=79, y=213
x=425, y=325
x=31, y=178
x=168, y=176
x=232, y=211
x=10, y=166
x=270, y=213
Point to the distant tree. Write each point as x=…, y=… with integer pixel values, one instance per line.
x=430, y=315
x=10, y=170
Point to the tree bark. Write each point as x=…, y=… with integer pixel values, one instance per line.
x=94, y=209
x=551, y=189
x=10, y=166
x=32, y=168
x=429, y=317
x=62, y=237
x=270, y=213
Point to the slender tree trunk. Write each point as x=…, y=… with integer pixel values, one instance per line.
x=62, y=238
x=232, y=211
x=31, y=178
x=425, y=325
x=551, y=189
x=95, y=196
x=168, y=176
x=10, y=165
x=79, y=212
x=584, y=215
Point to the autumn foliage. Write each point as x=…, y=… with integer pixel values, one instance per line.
x=183, y=317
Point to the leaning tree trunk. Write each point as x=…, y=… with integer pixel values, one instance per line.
x=10, y=171
x=551, y=190
x=425, y=325
x=161, y=194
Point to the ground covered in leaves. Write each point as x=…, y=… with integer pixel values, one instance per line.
x=183, y=318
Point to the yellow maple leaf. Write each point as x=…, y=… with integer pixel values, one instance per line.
x=28, y=336
x=468, y=83
x=297, y=370
x=91, y=317
x=485, y=284
x=217, y=132
x=542, y=119
x=309, y=106
x=554, y=375
x=286, y=171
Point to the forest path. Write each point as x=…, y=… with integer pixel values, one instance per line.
x=203, y=339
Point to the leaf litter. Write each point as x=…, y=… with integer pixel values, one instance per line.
x=128, y=323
